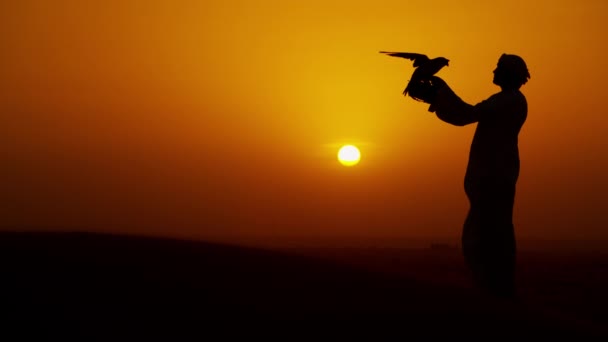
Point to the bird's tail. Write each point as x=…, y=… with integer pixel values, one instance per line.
x=407, y=89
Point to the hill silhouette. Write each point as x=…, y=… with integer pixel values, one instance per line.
x=96, y=286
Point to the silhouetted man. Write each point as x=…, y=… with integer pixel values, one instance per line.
x=488, y=238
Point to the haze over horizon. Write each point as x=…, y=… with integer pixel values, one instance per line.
x=222, y=119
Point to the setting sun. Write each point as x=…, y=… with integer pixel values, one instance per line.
x=349, y=155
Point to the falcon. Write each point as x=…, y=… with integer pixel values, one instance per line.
x=425, y=67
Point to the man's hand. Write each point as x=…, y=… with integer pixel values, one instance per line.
x=425, y=90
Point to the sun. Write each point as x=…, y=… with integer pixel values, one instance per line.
x=349, y=155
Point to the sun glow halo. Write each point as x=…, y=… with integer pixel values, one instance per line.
x=349, y=155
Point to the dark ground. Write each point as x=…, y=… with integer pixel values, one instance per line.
x=108, y=287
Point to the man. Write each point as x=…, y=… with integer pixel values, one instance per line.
x=488, y=238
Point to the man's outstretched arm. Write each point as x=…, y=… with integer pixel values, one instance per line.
x=450, y=108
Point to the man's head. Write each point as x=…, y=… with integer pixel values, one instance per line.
x=511, y=72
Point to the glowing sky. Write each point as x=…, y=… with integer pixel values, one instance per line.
x=223, y=118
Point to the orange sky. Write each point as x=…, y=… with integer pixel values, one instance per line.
x=222, y=118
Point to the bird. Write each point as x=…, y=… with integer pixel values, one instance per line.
x=425, y=67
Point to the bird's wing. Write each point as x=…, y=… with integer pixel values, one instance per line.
x=418, y=58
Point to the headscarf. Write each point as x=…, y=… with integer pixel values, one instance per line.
x=515, y=67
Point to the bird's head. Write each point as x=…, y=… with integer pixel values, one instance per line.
x=443, y=61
